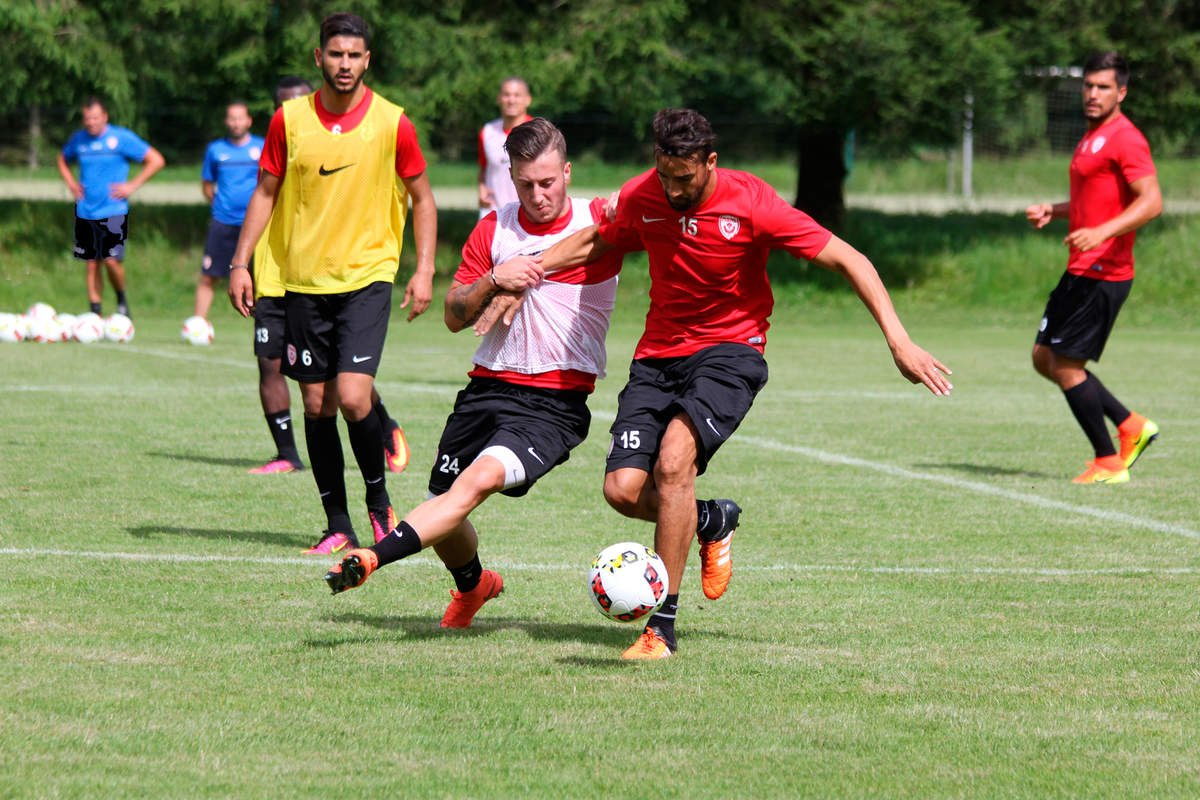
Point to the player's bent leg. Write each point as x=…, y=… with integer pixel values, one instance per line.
x=632, y=493
x=440, y=518
x=675, y=473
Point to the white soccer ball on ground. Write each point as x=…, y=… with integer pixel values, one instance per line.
x=628, y=581
x=39, y=311
x=118, y=328
x=89, y=328
x=67, y=322
x=197, y=330
x=45, y=329
x=12, y=327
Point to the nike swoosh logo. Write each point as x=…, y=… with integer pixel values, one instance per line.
x=535, y=455
x=709, y=421
x=1055, y=340
x=653, y=219
x=360, y=359
x=323, y=171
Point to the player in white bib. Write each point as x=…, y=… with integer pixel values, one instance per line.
x=525, y=407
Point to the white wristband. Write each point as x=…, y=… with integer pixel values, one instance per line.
x=239, y=266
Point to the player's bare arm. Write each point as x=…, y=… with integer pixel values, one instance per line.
x=1040, y=214
x=424, y=216
x=914, y=363
x=151, y=164
x=209, y=190
x=1146, y=205
x=258, y=214
x=464, y=302
x=64, y=169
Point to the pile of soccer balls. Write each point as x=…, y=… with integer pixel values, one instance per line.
x=41, y=323
x=628, y=581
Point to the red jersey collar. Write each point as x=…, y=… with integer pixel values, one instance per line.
x=546, y=228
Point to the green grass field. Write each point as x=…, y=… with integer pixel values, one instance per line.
x=922, y=604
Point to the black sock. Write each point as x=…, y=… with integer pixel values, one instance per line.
x=1085, y=404
x=328, y=467
x=385, y=421
x=364, y=440
x=664, y=619
x=95, y=307
x=1113, y=409
x=709, y=519
x=400, y=543
x=280, y=424
x=468, y=575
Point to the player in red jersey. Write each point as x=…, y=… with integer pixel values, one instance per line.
x=1114, y=191
x=700, y=363
x=525, y=407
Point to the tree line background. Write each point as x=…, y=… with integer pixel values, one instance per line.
x=779, y=78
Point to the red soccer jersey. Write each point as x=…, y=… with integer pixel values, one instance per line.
x=1106, y=161
x=479, y=256
x=708, y=277
x=410, y=161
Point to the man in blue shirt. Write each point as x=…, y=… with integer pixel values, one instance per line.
x=103, y=153
x=228, y=178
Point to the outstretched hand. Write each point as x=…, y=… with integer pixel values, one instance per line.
x=921, y=367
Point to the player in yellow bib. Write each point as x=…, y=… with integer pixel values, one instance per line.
x=269, y=319
x=336, y=213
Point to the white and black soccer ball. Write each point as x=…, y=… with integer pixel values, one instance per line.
x=118, y=328
x=197, y=330
x=88, y=328
x=628, y=581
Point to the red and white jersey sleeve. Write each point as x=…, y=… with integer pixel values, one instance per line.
x=1106, y=161
x=556, y=339
x=708, y=277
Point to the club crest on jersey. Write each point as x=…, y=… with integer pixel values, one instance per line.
x=729, y=225
x=291, y=354
x=1097, y=143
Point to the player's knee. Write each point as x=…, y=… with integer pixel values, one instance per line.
x=622, y=495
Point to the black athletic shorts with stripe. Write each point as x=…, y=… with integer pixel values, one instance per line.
x=541, y=426
x=1080, y=315
x=715, y=387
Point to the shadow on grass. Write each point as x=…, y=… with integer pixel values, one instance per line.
x=291, y=540
x=213, y=460
x=986, y=470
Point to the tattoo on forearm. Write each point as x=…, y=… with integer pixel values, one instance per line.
x=458, y=304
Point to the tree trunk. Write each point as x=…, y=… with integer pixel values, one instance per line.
x=820, y=156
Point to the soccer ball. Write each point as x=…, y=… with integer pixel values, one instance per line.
x=12, y=327
x=197, y=330
x=628, y=581
x=118, y=328
x=45, y=329
x=67, y=323
x=89, y=328
x=39, y=311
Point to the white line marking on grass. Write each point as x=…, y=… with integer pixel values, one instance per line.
x=317, y=563
x=974, y=486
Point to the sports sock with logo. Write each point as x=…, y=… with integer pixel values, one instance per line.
x=328, y=467
x=400, y=543
x=1113, y=409
x=280, y=423
x=364, y=441
x=664, y=619
x=468, y=575
x=1085, y=403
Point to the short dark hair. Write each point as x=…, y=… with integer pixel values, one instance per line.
x=290, y=82
x=530, y=139
x=1108, y=59
x=94, y=100
x=516, y=79
x=683, y=133
x=345, y=24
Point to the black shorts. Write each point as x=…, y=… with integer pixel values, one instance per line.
x=541, y=426
x=328, y=334
x=1080, y=314
x=715, y=387
x=269, y=327
x=218, y=248
x=98, y=239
